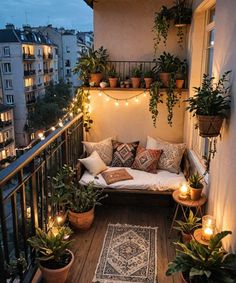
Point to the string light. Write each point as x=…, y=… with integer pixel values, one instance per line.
x=136, y=99
x=117, y=103
x=40, y=135
x=71, y=114
x=126, y=103
x=60, y=123
x=100, y=93
x=53, y=128
x=107, y=99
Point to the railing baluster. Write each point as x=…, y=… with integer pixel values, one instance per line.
x=4, y=227
x=15, y=225
x=2, y=264
x=34, y=203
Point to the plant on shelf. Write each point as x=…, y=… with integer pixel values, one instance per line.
x=155, y=99
x=199, y=263
x=181, y=72
x=148, y=78
x=82, y=203
x=196, y=186
x=53, y=255
x=210, y=104
x=91, y=65
x=113, y=77
x=187, y=227
x=136, y=74
x=178, y=15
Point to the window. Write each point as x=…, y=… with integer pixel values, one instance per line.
x=8, y=84
x=10, y=99
x=6, y=68
x=201, y=145
x=67, y=63
x=6, y=51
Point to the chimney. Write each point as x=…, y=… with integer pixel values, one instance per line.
x=27, y=28
x=10, y=26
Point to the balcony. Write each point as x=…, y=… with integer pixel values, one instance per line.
x=31, y=100
x=24, y=186
x=28, y=56
x=6, y=143
x=48, y=56
x=5, y=124
x=51, y=70
x=28, y=73
x=46, y=71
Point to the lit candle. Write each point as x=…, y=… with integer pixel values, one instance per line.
x=208, y=227
x=183, y=191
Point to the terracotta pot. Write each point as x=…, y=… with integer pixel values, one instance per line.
x=82, y=221
x=136, y=82
x=179, y=83
x=186, y=238
x=56, y=275
x=113, y=82
x=95, y=78
x=195, y=194
x=209, y=126
x=148, y=82
x=164, y=77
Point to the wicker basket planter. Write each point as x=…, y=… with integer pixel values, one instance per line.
x=209, y=126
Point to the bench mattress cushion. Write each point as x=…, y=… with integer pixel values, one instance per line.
x=161, y=181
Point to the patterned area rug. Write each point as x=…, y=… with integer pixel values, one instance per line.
x=128, y=255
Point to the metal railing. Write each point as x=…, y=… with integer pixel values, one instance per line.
x=25, y=192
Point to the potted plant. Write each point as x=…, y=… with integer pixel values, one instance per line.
x=91, y=65
x=181, y=72
x=136, y=77
x=187, y=227
x=165, y=65
x=113, y=77
x=82, y=204
x=210, y=104
x=199, y=263
x=148, y=78
x=54, y=257
x=196, y=186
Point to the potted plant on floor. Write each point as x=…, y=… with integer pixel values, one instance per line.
x=82, y=204
x=55, y=260
x=196, y=186
x=91, y=65
x=210, y=104
x=187, y=227
x=148, y=78
x=113, y=77
x=136, y=77
x=199, y=263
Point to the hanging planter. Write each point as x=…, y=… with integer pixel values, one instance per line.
x=209, y=126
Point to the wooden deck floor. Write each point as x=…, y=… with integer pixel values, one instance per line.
x=87, y=245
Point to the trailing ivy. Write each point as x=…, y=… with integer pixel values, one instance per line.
x=155, y=98
x=172, y=98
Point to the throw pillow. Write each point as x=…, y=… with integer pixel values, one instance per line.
x=172, y=154
x=94, y=164
x=115, y=176
x=146, y=160
x=103, y=148
x=123, y=154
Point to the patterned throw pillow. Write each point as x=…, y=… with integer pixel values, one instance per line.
x=172, y=154
x=103, y=148
x=146, y=160
x=123, y=154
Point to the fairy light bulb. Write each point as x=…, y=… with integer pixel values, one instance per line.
x=60, y=124
x=71, y=114
x=107, y=99
x=136, y=99
x=100, y=93
x=42, y=138
x=126, y=103
x=53, y=128
x=144, y=94
x=117, y=103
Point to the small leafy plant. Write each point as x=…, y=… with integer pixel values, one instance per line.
x=201, y=263
x=166, y=63
x=149, y=74
x=211, y=99
x=190, y=225
x=52, y=247
x=112, y=73
x=195, y=181
x=136, y=72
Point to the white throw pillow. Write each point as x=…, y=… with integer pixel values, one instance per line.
x=94, y=164
x=171, y=156
x=104, y=149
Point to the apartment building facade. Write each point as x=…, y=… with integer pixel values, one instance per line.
x=29, y=61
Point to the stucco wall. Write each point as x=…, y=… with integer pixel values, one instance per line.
x=124, y=27
x=222, y=193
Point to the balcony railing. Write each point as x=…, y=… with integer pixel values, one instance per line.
x=31, y=100
x=6, y=143
x=4, y=124
x=28, y=56
x=25, y=193
x=45, y=71
x=51, y=70
x=29, y=73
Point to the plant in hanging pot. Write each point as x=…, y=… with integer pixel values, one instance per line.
x=91, y=65
x=148, y=78
x=82, y=204
x=187, y=227
x=199, y=263
x=113, y=77
x=55, y=260
x=210, y=104
x=136, y=77
x=196, y=186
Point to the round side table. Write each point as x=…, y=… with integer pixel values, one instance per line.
x=185, y=205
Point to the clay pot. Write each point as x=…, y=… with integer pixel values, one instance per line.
x=209, y=126
x=95, y=78
x=179, y=83
x=82, y=221
x=113, y=82
x=136, y=82
x=195, y=194
x=186, y=238
x=56, y=275
x=148, y=82
x=164, y=77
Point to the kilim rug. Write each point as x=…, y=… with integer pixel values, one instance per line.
x=129, y=254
